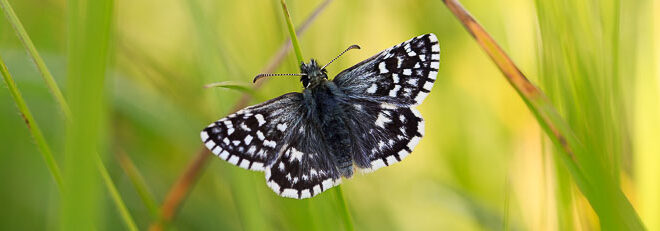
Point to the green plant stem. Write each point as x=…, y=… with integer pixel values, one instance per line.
x=345, y=215
x=292, y=32
x=114, y=194
x=37, y=135
x=32, y=51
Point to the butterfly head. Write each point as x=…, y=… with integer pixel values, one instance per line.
x=312, y=74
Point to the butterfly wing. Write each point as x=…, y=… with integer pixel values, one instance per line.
x=276, y=137
x=251, y=138
x=305, y=167
x=384, y=133
x=401, y=75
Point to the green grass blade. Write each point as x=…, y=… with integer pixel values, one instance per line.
x=32, y=51
x=140, y=185
x=114, y=194
x=37, y=135
x=292, y=33
x=88, y=41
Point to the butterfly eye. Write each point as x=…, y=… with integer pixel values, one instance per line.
x=305, y=80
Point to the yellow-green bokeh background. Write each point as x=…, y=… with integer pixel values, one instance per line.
x=484, y=163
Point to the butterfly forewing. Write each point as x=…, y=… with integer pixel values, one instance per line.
x=251, y=137
x=402, y=75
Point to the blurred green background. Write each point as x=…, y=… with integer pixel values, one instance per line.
x=484, y=164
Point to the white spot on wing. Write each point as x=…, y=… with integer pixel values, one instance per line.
x=407, y=72
x=230, y=131
x=260, y=135
x=305, y=194
x=372, y=89
x=209, y=144
x=382, y=68
x=257, y=166
x=395, y=78
x=420, y=97
x=281, y=166
x=435, y=57
x=217, y=150
x=388, y=106
x=270, y=143
x=245, y=164
x=274, y=186
x=317, y=189
x=413, y=81
x=281, y=127
x=433, y=74
x=327, y=183
x=413, y=142
x=391, y=160
x=382, y=120
x=251, y=150
x=394, y=91
x=204, y=135
x=226, y=141
x=233, y=160
x=432, y=38
x=245, y=127
x=428, y=85
x=260, y=119
x=295, y=154
x=403, y=154
x=224, y=155
x=247, y=139
x=435, y=64
x=376, y=164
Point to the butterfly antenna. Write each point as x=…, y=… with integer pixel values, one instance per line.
x=259, y=76
x=347, y=49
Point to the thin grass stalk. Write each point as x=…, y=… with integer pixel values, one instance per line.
x=114, y=194
x=292, y=33
x=139, y=184
x=613, y=208
x=32, y=51
x=181, y=188
x=34, y=129
x=345, y=214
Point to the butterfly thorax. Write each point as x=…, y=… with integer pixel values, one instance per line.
x=313, y=75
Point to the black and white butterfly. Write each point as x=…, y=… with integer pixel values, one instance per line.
x=365, y=118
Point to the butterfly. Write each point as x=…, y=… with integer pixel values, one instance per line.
x=363, y=119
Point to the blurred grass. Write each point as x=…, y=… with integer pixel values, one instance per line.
x=478, y=131
x=89, y=24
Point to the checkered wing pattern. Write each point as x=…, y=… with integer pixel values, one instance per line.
x=252, y=137
x=402, y=75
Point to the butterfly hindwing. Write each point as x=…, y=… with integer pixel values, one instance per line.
x=305, y=167
x=402, y=75
x=384, y=133
x=251, y=137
